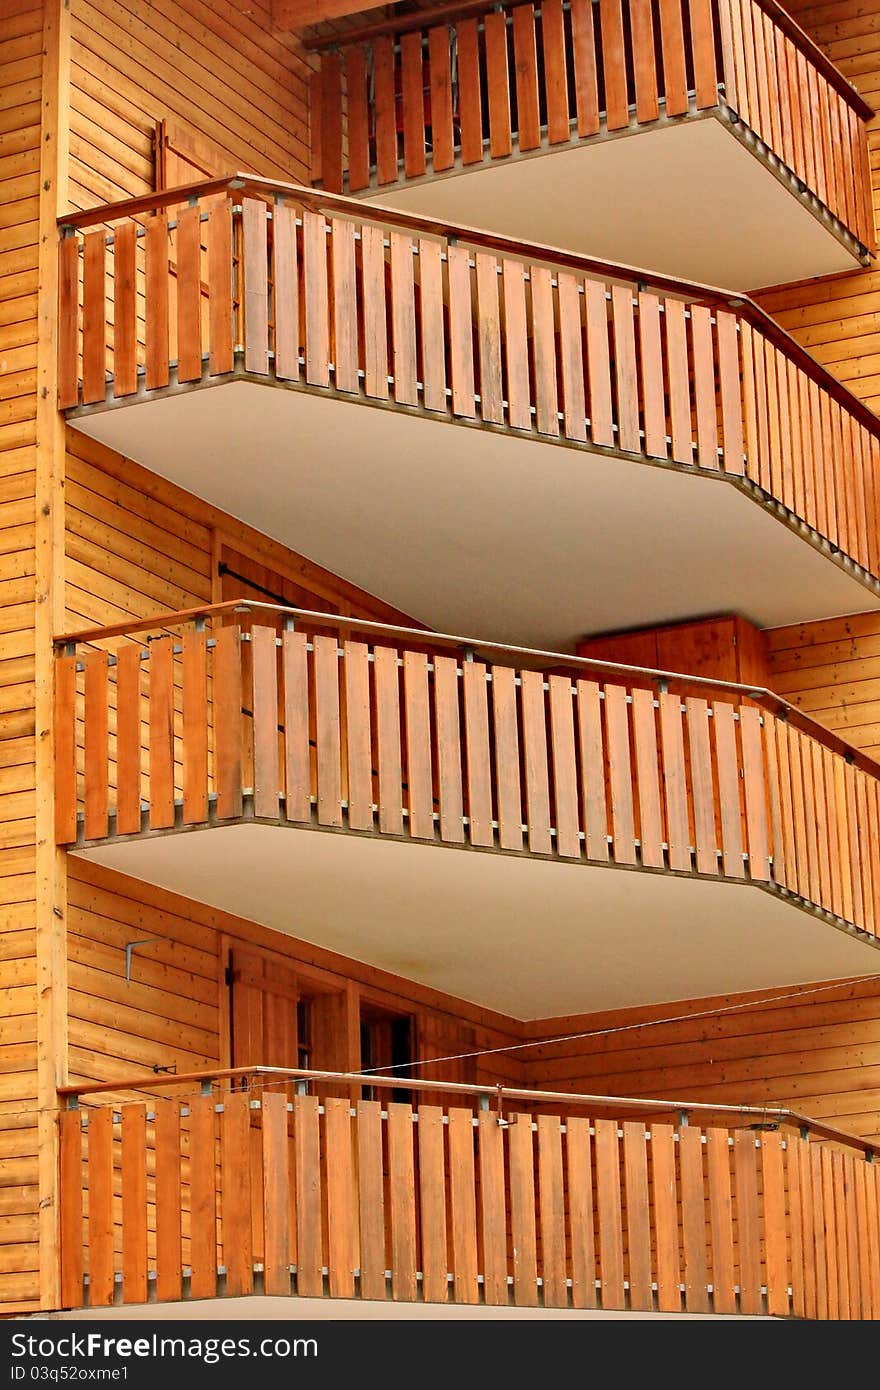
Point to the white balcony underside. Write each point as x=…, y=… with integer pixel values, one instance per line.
x=687, y=199
x=532, y=938
x=477, y=531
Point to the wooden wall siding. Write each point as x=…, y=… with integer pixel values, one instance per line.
x=393, y=311
x=814, y=1048
x=838, y=318
x=175, y=1011
x=831, y=669
x=303, y=726
x=228, y=75
x=21, y=71
x=449, y=1205
x=528, y=77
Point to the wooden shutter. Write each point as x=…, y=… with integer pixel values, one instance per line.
x=264, y=999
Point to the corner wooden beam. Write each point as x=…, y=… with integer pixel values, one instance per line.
x=298, y=14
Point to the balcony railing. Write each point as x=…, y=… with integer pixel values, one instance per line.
x=480, y=83
x=307, y=719
x=239, y=1183
x=314, y=292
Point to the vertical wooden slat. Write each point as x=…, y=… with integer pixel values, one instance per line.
x=674, y=71
x=374, y=312
x=507, y=754
x=357, y=735
x=516, y=346
x=412, y=91
x=403, y=319
x=638, y=1222
x=128, y=739
x=571, y=356
x=579, y=1164
x=748, y=1232
x=614, y=64
x=203, y=1198
x=731, y=391
x=340, y=1197
x=134, y=1203
x=565, y=789
x=534, y=739
x=71, y=1207
x=387, y=705
x=551, y=1208
x=418, y=745
x=168, y=1201
x=358, y=118
x=124, y=310
x=555, y=71
x=525, y=58
x=265, y=721
x=156, y=311
x=401, y=1190
x=693, y=1219
x=666, y=1218
x=219, y=239
x=754, y=787
x=433, y=329
x=678, y=371
x=775, y=1232
x=327, y=731
x=674, y=781
x=521, y=1179
x=610, y=1222
x=702, y=790
x=586, y=87
x=599, y=362
x=703, y=43
x=646, y=749
x=189, y=294
x=439, y=60
x=371, y=1200
x=309, y=1205
x=493, y=1209
x=385, y=99
x=195, y=725
x=227, y=694
x=68, y=322
x=544, y=351
x=95, y=715
x=94, y=317
x=727, y=763
x=297, y=789
x=316, y=297
x=345, y=307
x=161, y=680
x=628, y=437
x=256, y=285
x=235, y=1193
x=796, y=1225
x=704, y=386
x=470, y=105
x=476, y=729
x=100, y=1210
x=497, y=83
x=489, y=335
x=461, y=348
x=462, y=1208
x=331, y=122
x=652, y=383
x=276, y=1194
x=620, y=774
x=446, y=714
x=432, y=1204
x=592, y=759
x=641, y=19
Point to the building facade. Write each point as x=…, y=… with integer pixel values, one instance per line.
x=439, y=632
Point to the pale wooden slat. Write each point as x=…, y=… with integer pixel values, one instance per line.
x=565, y=781
x=371, y=1200
x=534, y=742
x=297, y=804
x=623, y=319
x=128, y=739
x=775, y=1230
x=345, y=316
x=521, y=1182
x=448, y=722
x=161, y=704
x=592, y=762
x=551, y=1208
x=227, y=694
x=704, y=386
x=571, y=356
x=340, y=1197
x=493, y=1210
x=433, y=328
x=727, y=765
x=516, y=346
x=674, y=781
x=462, y=1206
x=620, y=774
x=195, y=725
x=275, y=1153
x=94, y=317
x=702, y=789
x=638, y=1224
x=235, y=1193
x=476, y=731
x=693, y=1219
x=327, y=730
x=544, y=351
x=267, y=774
x=507, y=748
x=219, y=240
x=358, y=744
x=373, y=310
x=156, y=310
x=754, y=788
x=124, y=310
x=461, y=349
x=387, y=706
x=663, y=1187
x=652, y=383
x=646, y=750
x=432, y=1204
x=418, y=746
x=748, y=1232
x=168, y=1201
x=678, y=373
x=308, y=1206
x=610, y=1222
x=134, y=1203
x=403, y=319
x=579, y=1164
x=316, y=299
x=188, y=281
x=401, y=1201
x=489, y=335
x=203, y=1198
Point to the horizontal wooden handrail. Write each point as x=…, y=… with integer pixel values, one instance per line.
x=318, y=201
x=749, y=1114
x=448, y=14
x=536, y=657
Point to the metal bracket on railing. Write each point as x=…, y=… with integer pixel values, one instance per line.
x=684, y=1119
x=301, y=1088
x=200, y=624
x=804, y=1132
x=206, y=1088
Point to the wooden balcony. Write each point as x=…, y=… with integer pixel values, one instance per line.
x=751, y=167
x=233, y=1184
x=598, y=402
x=620, y=815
